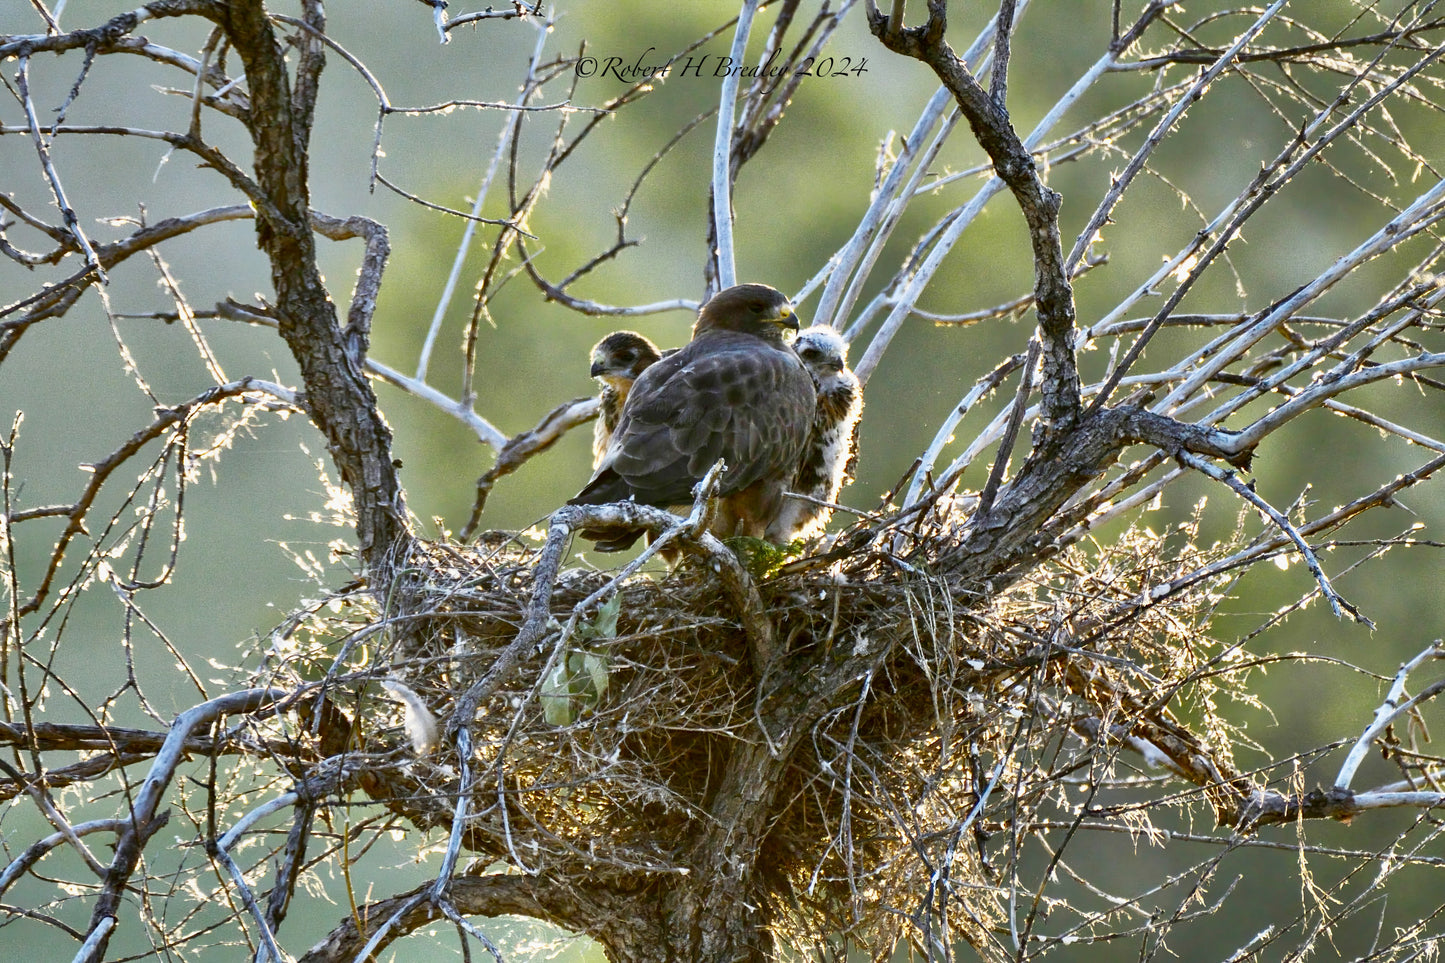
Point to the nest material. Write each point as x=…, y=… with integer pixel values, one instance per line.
x=904, y=776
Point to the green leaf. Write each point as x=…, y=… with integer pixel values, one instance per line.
x=556, y=695
x=595, y=666
x=577, y=683
x=604, y=626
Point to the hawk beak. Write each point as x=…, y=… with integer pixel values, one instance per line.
x=787, y=318
x=597, y=368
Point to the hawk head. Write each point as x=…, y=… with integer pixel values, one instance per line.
x=621, y=356
x=754, y=309
x=823, y=352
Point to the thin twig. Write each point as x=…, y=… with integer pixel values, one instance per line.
x=1011, y=433
x=1394, y=706
x=57, y=190
x=1003, y=35
x=523, y=446
x=1337, y=604
x=485, y=431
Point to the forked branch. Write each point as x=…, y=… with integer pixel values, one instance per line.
x=1014, y=164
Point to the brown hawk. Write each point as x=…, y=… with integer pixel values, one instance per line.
x=830, y=458
x=617, y=360
x=737, y=392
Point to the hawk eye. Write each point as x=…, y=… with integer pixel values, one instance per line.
x=810, y=354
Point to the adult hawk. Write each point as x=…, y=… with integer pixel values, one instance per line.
x=737, y=392
x=830, y=458
x=617, y=360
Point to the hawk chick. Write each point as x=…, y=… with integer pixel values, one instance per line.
x=736, y=391
x=830, y=458
x=617, y=360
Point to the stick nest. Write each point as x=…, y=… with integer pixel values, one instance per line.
x=925, y=725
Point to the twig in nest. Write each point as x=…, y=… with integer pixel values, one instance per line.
x=690, y=534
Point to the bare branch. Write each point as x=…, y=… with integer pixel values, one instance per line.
x=1040, y=205
x=722, y=153
x=1337, y=605
x=1394, y=706
x=42, y=148
x=144, y=822
x=167, y=421
x=1016, y=419
x=520, y=448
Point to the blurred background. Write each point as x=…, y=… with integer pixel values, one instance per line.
x=256, y=510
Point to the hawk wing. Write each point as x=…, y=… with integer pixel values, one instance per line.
x=725, y=395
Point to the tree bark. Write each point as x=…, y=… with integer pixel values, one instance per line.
x=339, y=397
